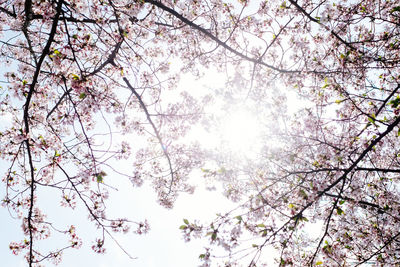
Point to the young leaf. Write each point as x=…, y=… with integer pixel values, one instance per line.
x=99, y=178
x=213, y=236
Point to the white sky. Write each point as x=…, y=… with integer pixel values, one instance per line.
x=163, y=245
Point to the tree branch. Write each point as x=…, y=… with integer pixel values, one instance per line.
x=158, y=136
x=215, y=39
x=26, y=120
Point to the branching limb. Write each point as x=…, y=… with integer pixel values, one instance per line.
x=156, y=132
x=26, y=120
x=215, y=39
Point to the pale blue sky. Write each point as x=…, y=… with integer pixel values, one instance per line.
x=162, y=246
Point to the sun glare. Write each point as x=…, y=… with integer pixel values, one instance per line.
x=233, y=128
x=240, y=132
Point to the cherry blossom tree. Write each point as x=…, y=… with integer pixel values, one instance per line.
x=321, y=191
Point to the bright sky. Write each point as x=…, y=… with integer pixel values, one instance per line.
x=163, y=245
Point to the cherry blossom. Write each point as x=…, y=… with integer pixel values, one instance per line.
x=90, y=83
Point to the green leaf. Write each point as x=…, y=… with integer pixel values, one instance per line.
x=264, y=233
x=183, y=227
x=325, y=85
x=202, y=256
x=318, y=263
x=397, y=8
x=339, y=211
x=303, y=194
x=254, y=245
x=99, y=178
x=214, y=236
x=185, y=221
x=82, y=96
x=261, y=225
x=304, y=219
x=239, y=218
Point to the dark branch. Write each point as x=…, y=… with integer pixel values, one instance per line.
x=158, y=136
x=26, y=119
x=215, y=39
